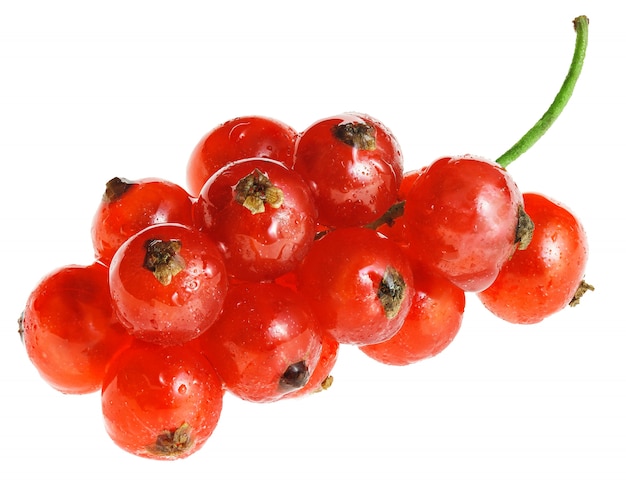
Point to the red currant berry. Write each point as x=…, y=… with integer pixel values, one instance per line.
x=127, y=207
x=161, y=402
x=464, y=217
x=354, y=166
x=70, y=330
x=262, y=215
x=265, y=343
x=432, y=323
x=168, y=283
x=359, y=283
x=542, y=279
x=239, y=138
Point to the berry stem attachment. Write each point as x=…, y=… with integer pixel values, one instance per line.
x=389, y=217
x=581, y=26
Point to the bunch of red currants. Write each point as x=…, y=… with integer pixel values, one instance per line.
x=286, y=246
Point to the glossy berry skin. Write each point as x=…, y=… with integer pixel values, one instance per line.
x=359, y=283
x=239, y=138
x=70, y=330
x=541, y=280
x=462, y=218
x=161, y=402
x=354, y=178
x=261, y=239
x=173, y=300
x=432, y=323
x=265, y=343
x=127, y=207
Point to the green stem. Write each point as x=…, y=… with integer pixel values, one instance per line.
x=581, y=26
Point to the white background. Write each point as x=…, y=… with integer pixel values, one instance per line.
x=128, y=88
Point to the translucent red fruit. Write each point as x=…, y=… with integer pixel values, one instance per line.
x=239, y=138
x=266, y=342
x=432, y=322
x=354, y=166
x=262, y=215
x=542, y=279
x=462, y=216
x=161, y=402
x=70, y=330
x=168, y=283
x=359, y=283
x=127, y=207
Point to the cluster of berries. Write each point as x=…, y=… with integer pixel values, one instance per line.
x=285, y=246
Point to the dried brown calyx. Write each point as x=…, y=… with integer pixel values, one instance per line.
x=391, y=292
x=583, y=287
x=163, y=259
x=171, y=443
x=326, y=383
x=256, y=190
x=525, y=229
x=358, y=135
x=115, y=189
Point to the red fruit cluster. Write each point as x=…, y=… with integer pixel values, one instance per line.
x=287, y=246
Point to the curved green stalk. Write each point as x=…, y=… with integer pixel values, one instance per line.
x=581, y=26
